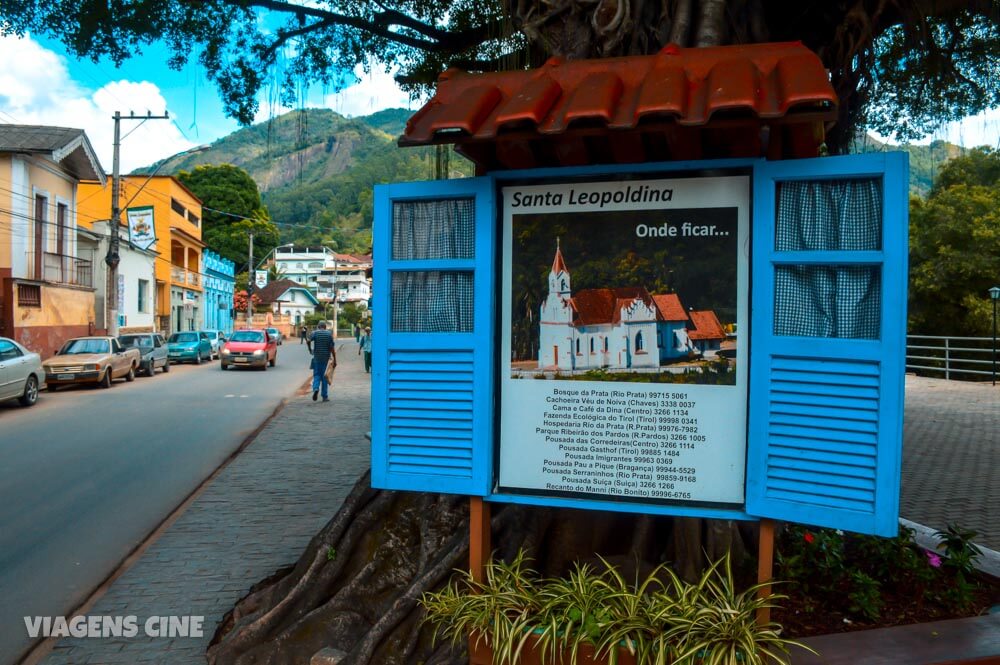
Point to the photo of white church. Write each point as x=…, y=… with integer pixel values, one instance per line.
x=624, y=328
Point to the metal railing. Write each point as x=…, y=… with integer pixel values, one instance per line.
x=962, y=358
x=61, y=269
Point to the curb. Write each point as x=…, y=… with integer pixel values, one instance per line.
x=40, y=650
x=988, y=562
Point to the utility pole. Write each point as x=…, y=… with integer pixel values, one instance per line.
x=113, y=258
x=252, y=276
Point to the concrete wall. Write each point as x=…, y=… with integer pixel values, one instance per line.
x=66, y=312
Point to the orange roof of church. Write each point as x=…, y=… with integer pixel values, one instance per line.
x=558, y=265
x=706, y=326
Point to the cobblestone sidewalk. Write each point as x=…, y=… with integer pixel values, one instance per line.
x=951, y=456
x=255, y=517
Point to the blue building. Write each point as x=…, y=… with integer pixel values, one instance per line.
x=220, y=280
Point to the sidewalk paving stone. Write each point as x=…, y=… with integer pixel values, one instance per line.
x=256, y=516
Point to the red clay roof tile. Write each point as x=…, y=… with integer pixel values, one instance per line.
x=706, y=326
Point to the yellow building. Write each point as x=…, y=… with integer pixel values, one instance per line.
x=46, y=276
x=178, y=293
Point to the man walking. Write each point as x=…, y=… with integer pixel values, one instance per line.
x=302, y=335
x=366, y=347
x=320, y=345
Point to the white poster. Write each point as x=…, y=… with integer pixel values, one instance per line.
x=624, y=354
x=260, y=278
x=141, y=231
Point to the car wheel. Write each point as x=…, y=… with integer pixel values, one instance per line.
x=106, y=379
x=197, y=358
x=166, y=366
x=30, y=395
x=273, y=360
x=130, y=377
x=223, y=366
x=151, y=368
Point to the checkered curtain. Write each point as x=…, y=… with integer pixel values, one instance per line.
x=829, y=301
x=432, y=301
x=432, y=229
x=830, y=215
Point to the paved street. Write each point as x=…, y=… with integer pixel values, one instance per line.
x=88, y=473
x=951, y=456
x=253, y=518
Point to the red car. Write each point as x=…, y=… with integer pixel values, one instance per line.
x=249, y=348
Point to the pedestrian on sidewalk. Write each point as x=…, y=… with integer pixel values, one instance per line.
x=302, y=335
x=320, y=345
x=365, y=345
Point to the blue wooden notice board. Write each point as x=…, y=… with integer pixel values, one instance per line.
x=764, y=365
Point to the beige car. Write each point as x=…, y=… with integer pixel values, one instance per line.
x=21, y=373
x=91, y=360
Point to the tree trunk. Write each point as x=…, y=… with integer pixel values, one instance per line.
x=356, y=586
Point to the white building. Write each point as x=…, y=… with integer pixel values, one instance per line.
x=329, y=275
x=617, y=328
x=136, y=278
x=288, y=299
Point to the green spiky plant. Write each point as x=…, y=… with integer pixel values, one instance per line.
x=661, y=620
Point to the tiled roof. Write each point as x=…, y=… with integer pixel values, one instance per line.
x=67, y=146
x=274, y=290
x=706, y=326
x=682, y=103
x=596, y=306
x=670, y=307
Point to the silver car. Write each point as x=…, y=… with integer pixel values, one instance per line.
x=153, y=349
x=21, y=373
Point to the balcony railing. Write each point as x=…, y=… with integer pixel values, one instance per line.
x=61, y=269
x=178, y=275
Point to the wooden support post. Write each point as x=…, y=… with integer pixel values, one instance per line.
x=480, y=546
x=765, y=566
x=480, y=551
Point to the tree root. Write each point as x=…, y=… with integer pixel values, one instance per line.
x=357, y=585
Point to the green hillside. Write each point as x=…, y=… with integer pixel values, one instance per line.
x=316, y=169
x=925, y=160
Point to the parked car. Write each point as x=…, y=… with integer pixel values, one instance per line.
x=217, y=338
x=276, y=334
x=250, y=348
x=152, y=349
x=193, y=346
x=97, y=360
x=21, y=373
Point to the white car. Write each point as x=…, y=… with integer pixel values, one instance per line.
x=218, y=340
x=21, y=373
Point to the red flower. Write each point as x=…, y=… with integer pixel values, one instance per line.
x=809, y=538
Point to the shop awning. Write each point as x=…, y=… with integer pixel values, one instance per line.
x=768, y=100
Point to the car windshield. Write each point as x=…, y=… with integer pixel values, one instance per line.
x=247, y=336
x=138, y=340
x=183, y=337
x=272, y=331
x=76, y=346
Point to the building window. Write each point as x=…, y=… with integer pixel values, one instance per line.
x=29, y=295
x=638, y=341
x=193, y=218
x=176, y=206
x=605, y=344
x=591, y=344
x=143, y=292
x=41, y=217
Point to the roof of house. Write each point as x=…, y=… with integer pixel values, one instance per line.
x=681, y=103
x=273, y=291
x=670, y=307
x=596, y=306
x=706, y=326
x=68, y=147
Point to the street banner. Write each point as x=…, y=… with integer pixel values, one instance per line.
x=625, y=306
x=260, y=278
x=141, y=231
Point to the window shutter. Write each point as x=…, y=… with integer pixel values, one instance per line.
x=828, y=341
x=432, y=341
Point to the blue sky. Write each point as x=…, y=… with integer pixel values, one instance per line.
x=64, y=91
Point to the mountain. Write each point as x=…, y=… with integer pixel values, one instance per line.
x=316, y=169
x=925, y=160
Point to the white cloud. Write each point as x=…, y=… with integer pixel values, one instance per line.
x=36, y=89
x=974, y=131
x=373, y=92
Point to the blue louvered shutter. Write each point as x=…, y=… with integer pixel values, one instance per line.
x=828, y=341
x=432, y=376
